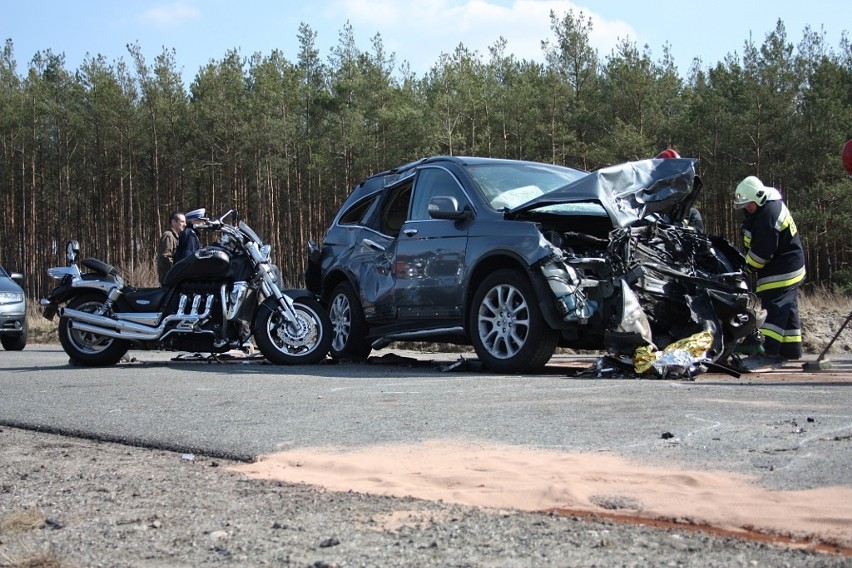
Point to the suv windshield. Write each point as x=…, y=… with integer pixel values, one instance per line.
x=507, y=185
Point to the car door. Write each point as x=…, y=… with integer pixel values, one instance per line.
x=374, y=253
x=430, y=253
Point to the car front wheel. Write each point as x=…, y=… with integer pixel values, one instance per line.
x=15, y=342
x=507, y=328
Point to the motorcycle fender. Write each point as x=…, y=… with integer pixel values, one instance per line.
x=62, y=292
x=299, y=293
x=68, y=288
x=271, y=303
x=99, y=285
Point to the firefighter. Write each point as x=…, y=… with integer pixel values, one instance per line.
x=775, y=255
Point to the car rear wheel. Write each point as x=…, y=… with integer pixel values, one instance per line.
x=348, y=325
x=507, y=328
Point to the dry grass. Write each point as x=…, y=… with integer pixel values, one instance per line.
x=31, y=560
x=21, y=520
x=822, y=299
x=17, y=523
x=40, y=329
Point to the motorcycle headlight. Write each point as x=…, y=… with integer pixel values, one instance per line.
x=11, y=297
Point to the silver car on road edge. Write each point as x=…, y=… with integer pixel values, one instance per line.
x=13, y=311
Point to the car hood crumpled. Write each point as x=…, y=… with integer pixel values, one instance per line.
x=630, y=191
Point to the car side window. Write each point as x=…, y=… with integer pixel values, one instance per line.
x=395, y=211
x=355, y=214
x=433, y=182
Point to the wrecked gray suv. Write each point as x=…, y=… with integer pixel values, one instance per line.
x=517, y=258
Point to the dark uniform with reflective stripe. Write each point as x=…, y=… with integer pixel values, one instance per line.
x=188, y=244
x=775, y=254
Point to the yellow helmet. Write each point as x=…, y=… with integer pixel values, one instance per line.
x=750, y=190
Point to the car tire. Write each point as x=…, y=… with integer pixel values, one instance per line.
x=506, y=326
x=349, y=327
x=15, y=342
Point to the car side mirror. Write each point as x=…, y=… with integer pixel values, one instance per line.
x=17, y=277
x=445, y=207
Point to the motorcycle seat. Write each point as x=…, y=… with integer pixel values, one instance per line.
x=99, y=266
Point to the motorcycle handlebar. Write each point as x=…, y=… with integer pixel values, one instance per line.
x=217, y=224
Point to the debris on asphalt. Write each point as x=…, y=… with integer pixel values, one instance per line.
x=462, y=365
x=393, y=359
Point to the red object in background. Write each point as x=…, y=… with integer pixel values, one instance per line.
x=847, y=157
x=670, y=153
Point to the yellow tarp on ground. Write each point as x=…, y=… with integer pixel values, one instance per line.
x=696, y=345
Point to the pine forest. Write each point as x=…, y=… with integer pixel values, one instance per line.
x=104, y=153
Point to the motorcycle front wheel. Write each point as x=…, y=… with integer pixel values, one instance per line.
x=304, y=342
x=85, y=348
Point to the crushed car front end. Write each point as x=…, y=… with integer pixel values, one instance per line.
x=624, y=270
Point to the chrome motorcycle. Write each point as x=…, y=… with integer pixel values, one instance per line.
x=211, y=302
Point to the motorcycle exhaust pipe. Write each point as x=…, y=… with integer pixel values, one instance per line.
x=120, y=329
x=106, y=323
x=114, y=333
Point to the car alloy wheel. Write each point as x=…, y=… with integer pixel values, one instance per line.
x=349, y=328
x=508, y=331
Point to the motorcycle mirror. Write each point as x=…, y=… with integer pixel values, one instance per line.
x=72, y=251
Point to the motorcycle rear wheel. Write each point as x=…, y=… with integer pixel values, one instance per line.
x=88, y=349
x=283, y=345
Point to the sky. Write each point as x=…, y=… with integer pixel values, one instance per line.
x=416, y=32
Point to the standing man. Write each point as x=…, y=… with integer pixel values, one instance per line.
x=775, y=254
x=168, y=244
x=189, y=242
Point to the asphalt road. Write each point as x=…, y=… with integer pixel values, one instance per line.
x=789, y=428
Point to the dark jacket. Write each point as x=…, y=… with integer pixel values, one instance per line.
x=187, y=244
x=775, y=250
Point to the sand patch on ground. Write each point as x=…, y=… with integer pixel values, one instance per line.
x=509, y=477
